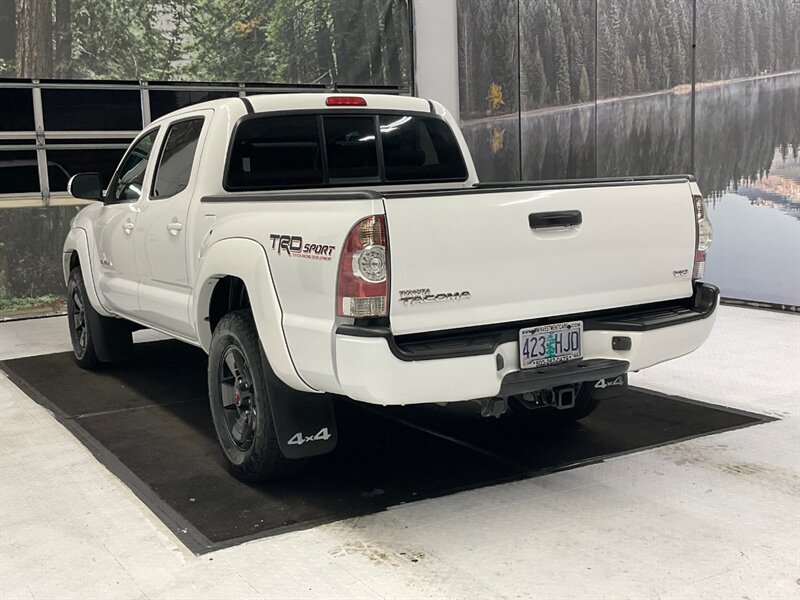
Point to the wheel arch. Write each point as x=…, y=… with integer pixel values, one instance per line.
x=76, y=253
x=229, y=294
x=234, y=273
x=74, y=261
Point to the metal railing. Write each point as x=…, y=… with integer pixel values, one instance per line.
x=41, y=140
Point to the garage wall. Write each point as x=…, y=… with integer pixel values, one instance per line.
x=554, y=89
x=436, y=42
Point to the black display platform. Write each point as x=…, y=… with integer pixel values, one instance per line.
x=149, y=423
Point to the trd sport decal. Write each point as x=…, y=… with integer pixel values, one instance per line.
x=293, y=246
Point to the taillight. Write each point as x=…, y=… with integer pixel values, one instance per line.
x=703, y=238
x=345, y=101
x=363, y=286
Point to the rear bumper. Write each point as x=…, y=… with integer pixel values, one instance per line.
x=373, y=366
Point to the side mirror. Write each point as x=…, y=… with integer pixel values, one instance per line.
x=87, y=186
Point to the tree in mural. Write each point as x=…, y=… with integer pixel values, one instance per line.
x=486, y=56
x=534, y=80
x=118, y=40
x=563, y=91
x=34, y=37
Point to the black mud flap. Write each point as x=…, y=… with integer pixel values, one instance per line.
x=305, y=423
x=610, y=387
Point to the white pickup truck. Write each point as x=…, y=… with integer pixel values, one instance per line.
x=330, y=244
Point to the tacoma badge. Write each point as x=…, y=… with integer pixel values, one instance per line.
x=425, y=296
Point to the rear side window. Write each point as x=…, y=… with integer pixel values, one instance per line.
x=342, y=149
x=177, y=156
x=273, y=152
x=420, y=149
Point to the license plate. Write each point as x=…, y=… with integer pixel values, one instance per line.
x=550, y=344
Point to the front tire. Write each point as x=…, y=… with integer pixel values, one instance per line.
x=240, y=403
x=80, y=331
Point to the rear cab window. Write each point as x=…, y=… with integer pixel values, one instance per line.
x=334, y=149
x=272, y=152
x=351, y=149
x=420, y=149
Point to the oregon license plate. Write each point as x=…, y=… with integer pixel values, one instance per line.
x=550, y=344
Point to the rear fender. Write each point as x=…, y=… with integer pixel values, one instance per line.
x=246, y=259
x=78, y=241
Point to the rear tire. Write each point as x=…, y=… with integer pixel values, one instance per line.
x=585, y=404
x=240, y=405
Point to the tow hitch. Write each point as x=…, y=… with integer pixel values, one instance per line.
x=565, y=398
x=561, y=398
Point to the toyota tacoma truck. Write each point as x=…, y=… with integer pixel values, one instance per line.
x=320, y=245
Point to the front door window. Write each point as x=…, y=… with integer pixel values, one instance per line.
x=128, y=186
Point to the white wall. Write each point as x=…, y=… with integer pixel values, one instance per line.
x=436, y=51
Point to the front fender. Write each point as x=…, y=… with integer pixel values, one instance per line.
x=78, y=241
x=246, y=259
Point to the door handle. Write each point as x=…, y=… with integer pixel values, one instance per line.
x=561, y=218
x=128, y=227
x=174, y=227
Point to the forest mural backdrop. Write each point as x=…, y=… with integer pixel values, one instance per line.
x=277, y=41
x=549, y=89
x=554, y=89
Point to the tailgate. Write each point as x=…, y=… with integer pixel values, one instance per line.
x=480, y=257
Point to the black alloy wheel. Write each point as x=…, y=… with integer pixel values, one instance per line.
x=237, y=393
x=78, y=312
x=81, y=333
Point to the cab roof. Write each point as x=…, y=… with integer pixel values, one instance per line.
x=262, y=103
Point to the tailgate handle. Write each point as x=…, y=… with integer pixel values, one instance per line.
x=561, y=218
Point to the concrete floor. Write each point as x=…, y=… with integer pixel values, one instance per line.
x=714, y=517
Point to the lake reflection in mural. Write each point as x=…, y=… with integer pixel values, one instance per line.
x=747, y=142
